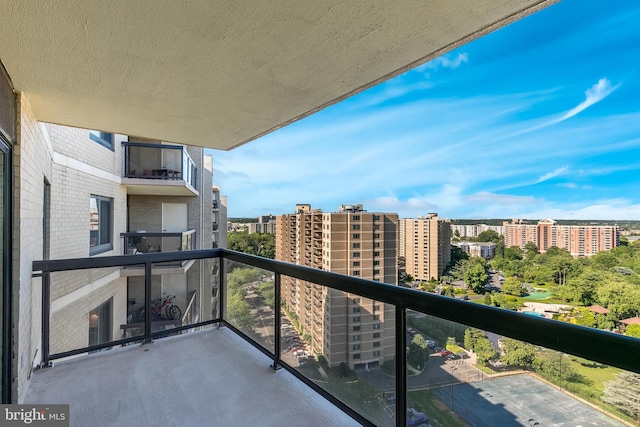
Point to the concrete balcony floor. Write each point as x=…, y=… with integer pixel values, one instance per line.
x=207, y=378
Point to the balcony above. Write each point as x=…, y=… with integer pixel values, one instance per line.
x=211, y=377
x=155, y=169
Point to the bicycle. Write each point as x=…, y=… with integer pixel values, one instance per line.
x=162, y=308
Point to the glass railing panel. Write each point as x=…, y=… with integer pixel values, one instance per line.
x=478, y=378
x=151, y=161
x=92, y=307
x=343, y=342
x=250, y=302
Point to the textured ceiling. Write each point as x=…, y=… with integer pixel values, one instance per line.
x=219, y=73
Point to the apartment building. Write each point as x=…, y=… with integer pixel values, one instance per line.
x=486, y=250
x=579, y=240
x=83, y=193
x=343, y=327
x=425, y=243
x=218, y=218
x=265, y=224
x=471, y=231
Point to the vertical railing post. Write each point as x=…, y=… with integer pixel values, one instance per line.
x=46, y=316
x=221, y=284
x=276, y=333
x=401, y=366
x=147, y=303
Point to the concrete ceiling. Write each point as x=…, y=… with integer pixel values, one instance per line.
x=219, y=73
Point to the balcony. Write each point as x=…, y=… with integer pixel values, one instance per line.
x=155, y=169
x=178, y=376
x=141, y=242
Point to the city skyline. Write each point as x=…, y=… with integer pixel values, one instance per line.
x=536, y=120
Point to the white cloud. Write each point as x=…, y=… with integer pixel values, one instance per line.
x=553, y=174
x=568, y=185
x=445, y=62
x=594, y=94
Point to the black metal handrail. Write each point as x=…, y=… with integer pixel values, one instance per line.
x=592, y=344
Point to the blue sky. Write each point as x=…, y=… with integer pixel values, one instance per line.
x=540, y=119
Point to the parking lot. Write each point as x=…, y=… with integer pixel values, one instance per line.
x=519, y=400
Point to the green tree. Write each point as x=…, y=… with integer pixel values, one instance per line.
x=513, y=253
x=261, y=244
x=624, y=393
x=488, y=236
x=484, y=350
x=633, y=330
x=530, y=250
x=476, y=277
x=418, y=352
x=487, y=299
x=512, y=286
x=517, y=353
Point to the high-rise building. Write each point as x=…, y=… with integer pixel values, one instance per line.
x=343, y=327
x=579, y=240
x=425, y=242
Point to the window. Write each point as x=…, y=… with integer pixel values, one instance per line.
x=376, y=235
x=376, y=326
x=100, y=222
x=356, y=300
x=376, y=217
x=356, y=347
x=376, y=317
x=356, y=254
x=376, y=335
x=376, y=353
x=376, y=254
x=356, y=217
x=356, y=309
x=356, y=329
x=376, y=262
x=356, y=272
x=356, y=263
x=376, y=227
x=100, y=324
x=376, y=307
x=376, y=245
x=376, y=343
x=356, y=337
x=103, y=138
x=356, y=226
x=356, y=319
x=356, y=236
x=356, y=356
x=376, y=271
x=356, y=246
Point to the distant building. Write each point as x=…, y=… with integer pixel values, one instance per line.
x=265, y=224
x=471, y=231
x=425, y=243
x=343, y=327
x=579, y=240
x=486, y=250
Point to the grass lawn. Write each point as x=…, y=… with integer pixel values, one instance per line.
x=596, y=372
x=439, y=414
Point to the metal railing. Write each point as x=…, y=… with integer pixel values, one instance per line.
x=158, y=161
x=592, y=344
x=142, y=242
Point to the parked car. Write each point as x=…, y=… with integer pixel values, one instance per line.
x=430, y=343
x=445, y=353
x=415, y=418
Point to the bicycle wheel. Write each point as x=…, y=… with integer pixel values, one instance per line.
x=140, y=314
x=174, y=312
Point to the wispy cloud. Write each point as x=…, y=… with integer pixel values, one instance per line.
x=594, y=94
x=447, y=61
x=553, y=174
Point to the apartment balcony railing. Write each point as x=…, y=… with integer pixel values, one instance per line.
x=214, y=205
x=372, y=397
x=142, y=242
x=158, y=169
